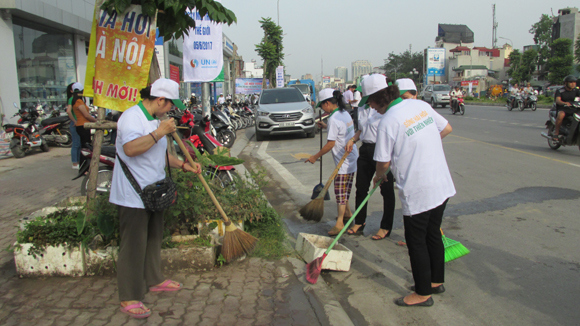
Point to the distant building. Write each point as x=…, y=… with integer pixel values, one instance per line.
x=341, y=72
x=449, y=37
x=379, y=70
x=567, y=25
x=307, y=76
x=251, y=70
x=361, y=67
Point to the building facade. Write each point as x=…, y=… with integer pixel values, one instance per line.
x=341, y=72
x=361, y=67
x=567, y=25
x=45, y=49
x=251, y=70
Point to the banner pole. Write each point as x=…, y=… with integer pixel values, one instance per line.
x=206, y=107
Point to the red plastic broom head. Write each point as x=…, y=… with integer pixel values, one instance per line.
x=314, y=268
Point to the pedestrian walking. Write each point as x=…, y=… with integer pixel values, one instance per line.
x=340, y=130
x=142, y=147
x=409, y=141
x=368, y=123
x=81, y=115
x=75, y=150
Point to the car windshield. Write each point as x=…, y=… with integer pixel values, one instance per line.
x=441, y=88
x=302, y=87
x=281, y=95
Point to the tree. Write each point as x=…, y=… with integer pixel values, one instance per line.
x=528, y=64
x=542, y=31
x=172, y=20
x=270, y=49
x=577, y=53
x=515, y=60
x=401, y=65
x=561, y=62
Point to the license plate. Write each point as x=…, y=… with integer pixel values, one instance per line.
x=287, y=124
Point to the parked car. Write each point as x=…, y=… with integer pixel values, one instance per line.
x=283, y=111
x=437, y=94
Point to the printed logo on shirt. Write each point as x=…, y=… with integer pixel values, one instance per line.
x=349, y=127
x=415, y=124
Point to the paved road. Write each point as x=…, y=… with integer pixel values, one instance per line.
x=516, y=209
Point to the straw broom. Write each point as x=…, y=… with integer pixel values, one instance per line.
x=314, y=210
x=236, y=242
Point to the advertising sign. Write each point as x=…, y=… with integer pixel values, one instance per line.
x=465, y=83
x=174, y=73
x=249, y=85
x=280, y=76
x=202, y=50
x=436, y=62
x=120, y=53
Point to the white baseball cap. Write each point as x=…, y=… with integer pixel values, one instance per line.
x=324, y=95
x=370, y=85
x=169, y=89
x=406, y=84
x=77, y=87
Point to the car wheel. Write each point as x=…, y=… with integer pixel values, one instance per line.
x=311, y=134
x=259, y=137
x=433, y=105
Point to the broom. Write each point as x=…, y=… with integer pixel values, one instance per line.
x=314, y=210
x=453, y=249
x=314, y=268
x=236, y=242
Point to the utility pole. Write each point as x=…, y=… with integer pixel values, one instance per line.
x=494, y=30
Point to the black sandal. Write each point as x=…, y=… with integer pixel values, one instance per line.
x=359, y=231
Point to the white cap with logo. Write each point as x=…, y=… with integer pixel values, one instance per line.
x=169, y=89
x=324, y=95
x=370, y=85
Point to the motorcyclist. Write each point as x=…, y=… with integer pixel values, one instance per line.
x=455, y=94
x=564, y=98
x=513, y=93
x=528, y=91
x=192, y=99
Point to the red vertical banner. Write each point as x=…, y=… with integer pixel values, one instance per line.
x=174, y=73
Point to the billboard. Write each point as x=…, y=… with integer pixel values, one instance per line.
x=436, y=62
x=249, y=85
x=280, y=76
x=202, y=50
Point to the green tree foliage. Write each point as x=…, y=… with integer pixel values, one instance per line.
x=515, y=61
x=523, y=66
x=172, y=20
x=542, y=31
x=400, y=65
x=561, y=61
x=270, y=49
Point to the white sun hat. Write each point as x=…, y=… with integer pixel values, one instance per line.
x=370, y=85
x=169, y=89
x=324, y=95
x=406, y=84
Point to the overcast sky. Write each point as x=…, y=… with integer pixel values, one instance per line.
x=340, y=32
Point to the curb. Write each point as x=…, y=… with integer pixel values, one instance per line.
x=541, y=106
x=324, y=303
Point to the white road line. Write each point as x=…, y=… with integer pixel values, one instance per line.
x=503, y=122
x=286, y=175
x=576, y=165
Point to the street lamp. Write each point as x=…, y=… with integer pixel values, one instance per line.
x=278, y=9
x=413, y=73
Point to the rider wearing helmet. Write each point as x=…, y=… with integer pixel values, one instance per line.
x=564, y=98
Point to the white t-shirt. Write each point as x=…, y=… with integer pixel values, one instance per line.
x=514, y=91
x=455, y=94
x=221, y=100
x=340, y=130
x=409, y=137
x=357, y=97
x=368, y=123
x=146, y=168
x=347, y=97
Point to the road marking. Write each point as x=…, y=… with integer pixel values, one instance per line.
x=284, y=173
x=517, y=150
x=503, y=122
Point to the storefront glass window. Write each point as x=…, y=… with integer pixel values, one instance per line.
x=46, y=65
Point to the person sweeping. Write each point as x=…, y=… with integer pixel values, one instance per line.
x=340, y=130
x=409, y=142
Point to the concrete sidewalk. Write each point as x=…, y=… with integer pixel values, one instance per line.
x=251, y=292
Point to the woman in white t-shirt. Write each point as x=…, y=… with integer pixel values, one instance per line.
x=142, y=147
x=409, y=141
x=340, y=130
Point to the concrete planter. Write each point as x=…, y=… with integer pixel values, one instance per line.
x=54, y=261
x=312, y=246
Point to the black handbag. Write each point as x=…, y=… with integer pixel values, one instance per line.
x=157, y=196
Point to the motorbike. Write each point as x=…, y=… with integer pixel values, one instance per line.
x=460, y=107
x=56, y=130
x=105, y=173
x=530, y=101
x=518, y=102
x=25, y=135
x=224, y=132
x=569, y=130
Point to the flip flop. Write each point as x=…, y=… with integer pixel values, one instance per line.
x=138, y=305
x=164, y=287
x=359, y=231
x=334, y=231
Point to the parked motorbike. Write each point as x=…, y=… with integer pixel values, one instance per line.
x=25, y=135
x=57, y=131
x=569, y=130
x=224, y=132
x=459, y=107
x=530, y=101
x=105, y=173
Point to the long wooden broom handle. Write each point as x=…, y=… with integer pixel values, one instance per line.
x=335, y=172
x=201, y=178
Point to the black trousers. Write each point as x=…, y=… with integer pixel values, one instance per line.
x=365, y=172
x=85, y=136
x=426, y=250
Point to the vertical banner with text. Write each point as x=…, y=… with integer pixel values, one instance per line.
x=202, y=50
x=280, y=76
x=120, y=55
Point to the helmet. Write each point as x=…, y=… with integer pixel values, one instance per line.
x=570, y=79
x=192, y=94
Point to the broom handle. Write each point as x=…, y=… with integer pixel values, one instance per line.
x=352, y=217
x=334, y=173
x=201, y=178
x=320, y=117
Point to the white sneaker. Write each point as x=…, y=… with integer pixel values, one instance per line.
x=75, y=167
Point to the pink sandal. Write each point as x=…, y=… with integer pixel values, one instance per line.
x=138, y=305
x=164, y=287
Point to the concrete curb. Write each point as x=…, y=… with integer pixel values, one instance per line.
x=327, y=308
x=539, y=106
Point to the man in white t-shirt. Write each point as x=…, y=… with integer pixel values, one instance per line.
x=348, y=97
x=221, y=99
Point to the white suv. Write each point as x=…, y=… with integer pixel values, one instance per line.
x=437, y=94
